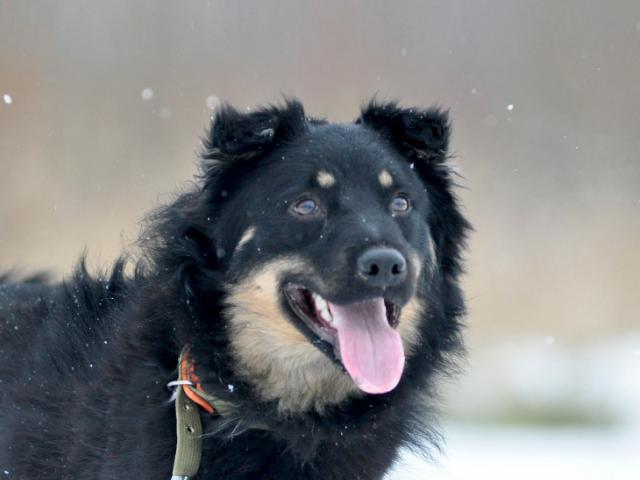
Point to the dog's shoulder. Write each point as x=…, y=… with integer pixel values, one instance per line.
x=52, y=326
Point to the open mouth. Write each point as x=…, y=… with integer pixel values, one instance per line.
x=363, y=335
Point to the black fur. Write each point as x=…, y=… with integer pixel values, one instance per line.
x=84, y=364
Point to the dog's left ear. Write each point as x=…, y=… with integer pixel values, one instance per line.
x=421, y=135
x=236, y=135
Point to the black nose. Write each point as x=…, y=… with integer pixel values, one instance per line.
x=382, y=267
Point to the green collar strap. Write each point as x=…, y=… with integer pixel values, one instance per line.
x=189, y=398
x=189, y=437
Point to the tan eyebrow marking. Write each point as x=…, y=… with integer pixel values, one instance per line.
x=325, y=179
x=246, y=237
x=385, y=179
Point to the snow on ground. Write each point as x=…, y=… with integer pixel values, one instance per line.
x=477, y=452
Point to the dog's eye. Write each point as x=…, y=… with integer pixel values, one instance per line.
x=400, y=204
x=306, y=207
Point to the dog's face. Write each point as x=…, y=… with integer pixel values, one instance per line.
x=323, y=233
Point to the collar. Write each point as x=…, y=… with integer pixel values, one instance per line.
x=191, y=384
x=189, y=398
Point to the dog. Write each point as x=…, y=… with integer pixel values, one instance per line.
x=288, y=317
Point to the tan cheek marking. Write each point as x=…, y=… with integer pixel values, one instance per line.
x=325, y=179
x=272, y=354
x=414, y=258
x=409, y=324
x=411, y=316
x=432, y=253
x=429, y=262
x=248, y=234
x=385, y=179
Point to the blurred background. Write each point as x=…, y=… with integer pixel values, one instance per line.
x=102, y=105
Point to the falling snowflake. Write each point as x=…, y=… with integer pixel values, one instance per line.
x=7, y=99
x=147, y=94
x=212, y=102
x=510, y=107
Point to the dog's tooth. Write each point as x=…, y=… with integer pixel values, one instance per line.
x=321, y=303
x=324, y=313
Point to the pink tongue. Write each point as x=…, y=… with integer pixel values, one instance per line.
x=370, y=349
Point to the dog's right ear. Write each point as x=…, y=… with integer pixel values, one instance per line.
x=421, y=135
x=236, y=135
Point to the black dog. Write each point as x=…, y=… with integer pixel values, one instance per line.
x=305, y=290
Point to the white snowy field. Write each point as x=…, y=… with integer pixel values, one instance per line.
x=591, y=392
x=477, y=452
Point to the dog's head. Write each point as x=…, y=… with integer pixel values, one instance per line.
x=326, y=240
